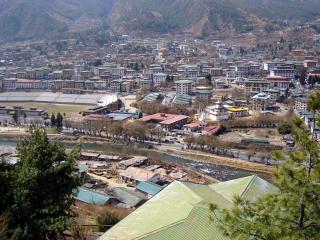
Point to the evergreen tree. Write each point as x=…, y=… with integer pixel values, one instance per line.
x=59, y=121
x=294, y=212
x=53, y=120
x=314, y=107
x=42, y=188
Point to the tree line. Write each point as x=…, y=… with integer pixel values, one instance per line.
x=212, y=144
x=125, y=132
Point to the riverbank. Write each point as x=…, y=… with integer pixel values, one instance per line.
x=215, y=167
x=226, y=161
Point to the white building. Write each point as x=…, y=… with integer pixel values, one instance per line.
x=215, y=112
x=184, y=87
x=159, y=78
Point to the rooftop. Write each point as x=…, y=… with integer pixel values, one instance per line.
x=91, y=197
x=181, y=211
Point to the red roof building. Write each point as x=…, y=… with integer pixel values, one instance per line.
x=167, y=121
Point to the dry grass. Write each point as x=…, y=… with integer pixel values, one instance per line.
x=87, y=213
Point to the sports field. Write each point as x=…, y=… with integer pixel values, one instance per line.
x=69, y=109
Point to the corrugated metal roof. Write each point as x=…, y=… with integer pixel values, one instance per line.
x=91, y=197
x=149, y=188
x=128, y=197
x=181, y=211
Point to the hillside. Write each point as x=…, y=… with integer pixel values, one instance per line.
x=203, y=17
x=21, y=19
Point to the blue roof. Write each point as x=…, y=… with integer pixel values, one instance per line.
x=91, y=197
x=120, y=116
x=149, y=187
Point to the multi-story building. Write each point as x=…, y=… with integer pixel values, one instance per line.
x=301, y=104
x=216, y=72
x=189, y=71
x=116, y=86
x=184, y=87
x=283, y=71
x=254, y=86
x=9, y=84
x=204, y=93
x=57, y=75
x=260, y=102
x=278, y=81
x=310, y=63
x=159, y=78
x=85, y=75
x=28, y=84
x=67, y=73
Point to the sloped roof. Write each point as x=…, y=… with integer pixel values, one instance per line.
x=149, y=188
x=91, y=197
x=181, y=211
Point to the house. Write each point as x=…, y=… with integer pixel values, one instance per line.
x=260, y=102
x=192, y=127
x=235, y=112
x=301, y=104
x=128, y=198
x=211, y=130
x=167, y=121
x=181, y=211
x=184, y=87
x=136, y=175
x=159, y=78
x=93, y=197
x=254, y=86
x=204, y=93
x=149, y=189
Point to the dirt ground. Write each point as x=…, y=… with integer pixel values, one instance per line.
x=87, y=213
x=271, y=135
x=71, y=110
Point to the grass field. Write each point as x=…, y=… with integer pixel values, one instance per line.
x=68, y=109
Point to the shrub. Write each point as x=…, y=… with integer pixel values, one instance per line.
x=106, y=220
x=285, y=128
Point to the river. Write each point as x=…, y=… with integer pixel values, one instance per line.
x=220, y=172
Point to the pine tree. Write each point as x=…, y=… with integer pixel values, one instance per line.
x=294, y=212
x=314, y=107
x=53, y=120
x=43, y=183
x=59, y=121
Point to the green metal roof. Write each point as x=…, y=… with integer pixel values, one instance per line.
x=182, y=99
x=152, y=97
x=149, y=188
x=181, y=211
x=91, y=197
